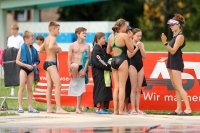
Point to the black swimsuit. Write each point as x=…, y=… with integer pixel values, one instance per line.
x=119, y=59
x=28, y=71
x=79, y=68
x=136, y=60
x=48, y=64
x=175, y=61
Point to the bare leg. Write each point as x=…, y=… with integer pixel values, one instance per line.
x=49, y=93
x=126, y=105
x=140, y=79
x=52, y=70
x=23, y=79
x=179, y=101
x=178, y=95
x=29, y=90
x=79, y=98
x=116, y=91
x=98, y=107
x=74, y=70
x=178, y=85
x=122, y=75
x=102, y=106
x=133, y=78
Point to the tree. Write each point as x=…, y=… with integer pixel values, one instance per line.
x=150, y=16
x=157, y=13
x=111, y=10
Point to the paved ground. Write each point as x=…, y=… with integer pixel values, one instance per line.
x=90, y=122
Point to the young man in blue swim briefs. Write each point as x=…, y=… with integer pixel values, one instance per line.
x=51, y=48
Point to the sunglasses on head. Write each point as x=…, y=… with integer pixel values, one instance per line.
x=172, y=24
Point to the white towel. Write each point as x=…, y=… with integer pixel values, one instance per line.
x=77, y=86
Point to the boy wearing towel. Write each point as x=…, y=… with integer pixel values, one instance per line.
x=27, y=58
x=78, y=59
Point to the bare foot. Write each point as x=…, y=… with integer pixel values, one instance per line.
x=122, y=113
x=51, y=111
x=115, y=113
x=78, y=111
x=188, y=111
x=178, y=111
x=61, y=111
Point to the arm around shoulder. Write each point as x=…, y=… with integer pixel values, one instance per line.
x=128, y=43
x=109, y=49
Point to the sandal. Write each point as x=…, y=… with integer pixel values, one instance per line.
x=33, y=111
x=172, y=113
x=141, y=112
x=20, y=111
x=185, y=114
x=133, y=112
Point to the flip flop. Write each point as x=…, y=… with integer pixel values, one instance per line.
x=103, y=112
x=141, y=112
x=33, y=111
x=133, y=112
x=20, y=111
x=185, y=114
x=108, y=111
x=173, y=113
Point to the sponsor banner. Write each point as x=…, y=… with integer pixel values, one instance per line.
x=158, y=95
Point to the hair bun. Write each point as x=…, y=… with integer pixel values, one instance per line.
x=115, y=28
x=180, y=18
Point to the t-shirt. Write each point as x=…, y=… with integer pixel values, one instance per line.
x=15, y=42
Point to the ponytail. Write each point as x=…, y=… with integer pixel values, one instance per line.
x=95, y=40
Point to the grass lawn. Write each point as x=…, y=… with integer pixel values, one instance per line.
x=149, y=46
x=5, y=113
x=158, y=46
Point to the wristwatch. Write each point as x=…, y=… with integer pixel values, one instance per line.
x=166, y=44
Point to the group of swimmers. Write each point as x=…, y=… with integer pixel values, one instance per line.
x=127, y=52
x=121, y=55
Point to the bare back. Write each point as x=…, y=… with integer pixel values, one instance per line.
x=118, y=41
x=51, y=53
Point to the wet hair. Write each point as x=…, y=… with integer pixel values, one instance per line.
x=98, y=36
x=15, y=27
x=40, y=37
x=27, y=34
x=135, y=30
x=118, y=25
x=53, y=25
x=79, y=30
x=179, y=18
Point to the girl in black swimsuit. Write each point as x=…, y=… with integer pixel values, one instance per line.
x=175, y=63
x=118, y=43
x=136, y=71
